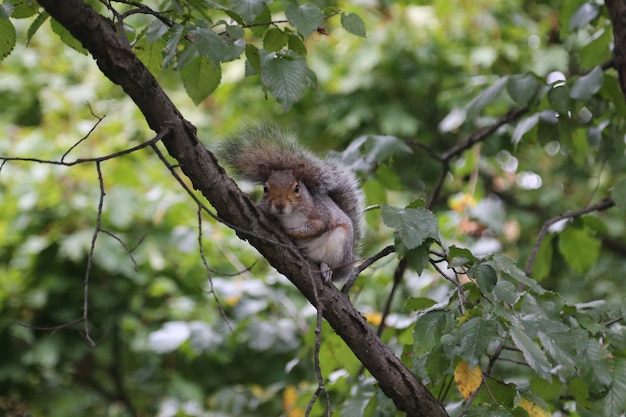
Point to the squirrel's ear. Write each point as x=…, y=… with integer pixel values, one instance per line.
x=264, y=172
x=298, y=172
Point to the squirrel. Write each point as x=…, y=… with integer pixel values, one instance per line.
x=319, y=202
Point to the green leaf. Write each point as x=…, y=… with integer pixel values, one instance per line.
x=559, y=97
x=249, y=10
x=217, y=48
x=418, y=303
x=505, y=265
x=24, y=9
x=475, y=335
x=412, y=226
x=67, y=37
x=296, y=44
x=156, y=30
x=618, y=194
x=379, y=147
x=32, y=29
x=200, y=78
x=8, y=37
x=583, y=15
x=171, y=48
x=427, y=331
x=522, y=88
x=353, y=23
x=543, y=260
x=274, y=40
x=486, y=97
x=615, y=399
x=505, y=291
x=150, y=53
x=532, y=353
x=305, y=18
x=587, y=85
x=485, y=277
x=418, y=257
x=579, y=248
x=285, y=76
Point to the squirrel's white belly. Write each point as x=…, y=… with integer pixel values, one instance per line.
x=328, y=248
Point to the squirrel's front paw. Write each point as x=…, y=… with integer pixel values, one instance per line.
x=327, y=273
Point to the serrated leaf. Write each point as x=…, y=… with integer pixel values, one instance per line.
x=412, y=226
x=67, y=37
x=587, y=85
x=522, y=88
x=506, y=291
x=579, y=248
x=427, y=331
x=475, y=335
x=486, y=97
x=353, y=23
x=615, y=399
x=618, y=194
x=201, y=78
x=150, y=53
x=507, y=266
x=285, y=76
x=523, y=127
x=6, y=10
x=306, y=18
x=583, y=15
x=467, y=380
x=249, y=10
x=8, y=37
x=532, y=353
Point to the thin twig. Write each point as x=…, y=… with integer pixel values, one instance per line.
x=208, y=273
x=602, y=205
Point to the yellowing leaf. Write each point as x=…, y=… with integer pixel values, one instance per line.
x=373, y=318
x=533, y=409
x=467, y=380
x=290, y=399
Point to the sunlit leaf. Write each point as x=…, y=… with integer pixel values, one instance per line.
x=413, y=226
x=8, y=37
x=353, y=23
x=579, y=248
x=200, y=78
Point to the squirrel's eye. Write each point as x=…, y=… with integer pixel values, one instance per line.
x=266, y=189
x=296, y=189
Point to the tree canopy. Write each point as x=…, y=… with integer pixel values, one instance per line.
x=137, y=279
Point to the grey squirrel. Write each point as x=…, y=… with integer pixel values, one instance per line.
x=319, y=202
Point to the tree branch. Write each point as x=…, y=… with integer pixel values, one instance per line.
x=116, y=60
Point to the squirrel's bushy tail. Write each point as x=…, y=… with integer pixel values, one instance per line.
x=267, y=145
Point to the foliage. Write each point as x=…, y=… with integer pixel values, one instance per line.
x=490, y=135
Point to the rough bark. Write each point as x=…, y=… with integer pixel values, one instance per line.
x=116, y=61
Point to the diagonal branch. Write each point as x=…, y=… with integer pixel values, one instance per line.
x=117, y=61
